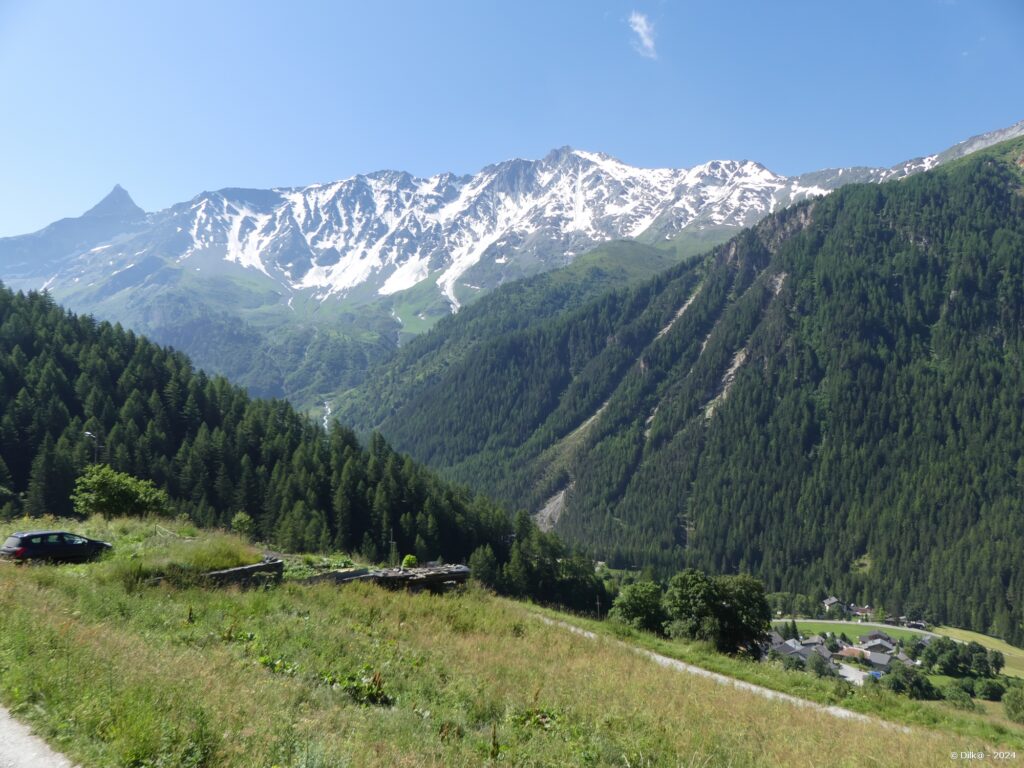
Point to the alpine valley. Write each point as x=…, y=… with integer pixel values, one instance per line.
x=832, y=400
x=297, y=292
x=824, y=391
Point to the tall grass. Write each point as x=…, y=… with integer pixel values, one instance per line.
x=873, y=700
x=167, y=676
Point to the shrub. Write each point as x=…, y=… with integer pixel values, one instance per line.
x=966, y=684
x=996, y=661
x=242, y=524
x=842, y=690
x=1013, y=704
x=958, y=697
x=410, y=561
x=102, y=490
x=909, y=681
x=991, y=690
x=367, y=688
x=793, y=662
x=817, y=664
x=639, y=606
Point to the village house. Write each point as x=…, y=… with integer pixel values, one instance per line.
x=876, y=634
x=878, y=645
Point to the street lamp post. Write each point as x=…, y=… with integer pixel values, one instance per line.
x=95, y=447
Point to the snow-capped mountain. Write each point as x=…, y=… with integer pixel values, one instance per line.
x=388, y=231
x=386, y=252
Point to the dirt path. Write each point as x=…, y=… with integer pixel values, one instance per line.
x=767, y=693
x=20, y=748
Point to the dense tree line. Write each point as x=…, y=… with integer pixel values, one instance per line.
x=870, y=441
x=76, y=392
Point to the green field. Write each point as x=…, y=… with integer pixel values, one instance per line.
x=115, y=671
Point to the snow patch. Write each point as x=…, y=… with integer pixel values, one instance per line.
x=413, y=271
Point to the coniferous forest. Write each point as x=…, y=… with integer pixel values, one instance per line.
x=832, y=401
x=74, y=391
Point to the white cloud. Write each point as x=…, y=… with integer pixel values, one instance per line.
x=644, y=31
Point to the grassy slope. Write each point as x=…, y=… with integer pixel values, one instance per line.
x=986, y=725
x=112, y=672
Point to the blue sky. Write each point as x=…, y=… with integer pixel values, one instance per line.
x=169, y=99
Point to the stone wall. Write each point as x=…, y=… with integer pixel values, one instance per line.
x=269, y=571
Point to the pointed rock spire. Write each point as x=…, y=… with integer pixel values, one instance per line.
x=118, y=203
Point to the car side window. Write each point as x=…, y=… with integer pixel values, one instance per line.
x=36, y=540
x=54, y=538
x=74, y=539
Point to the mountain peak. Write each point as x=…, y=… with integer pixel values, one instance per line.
x=117, y=203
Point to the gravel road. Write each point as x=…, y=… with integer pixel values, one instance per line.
x=20, y=748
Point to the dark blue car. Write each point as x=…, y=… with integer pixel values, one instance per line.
x=52, y=546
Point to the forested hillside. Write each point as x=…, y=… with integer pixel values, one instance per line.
x=832, y=401
x=217, y=452
x=392, y=383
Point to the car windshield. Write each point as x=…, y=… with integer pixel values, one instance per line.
x=12, y=541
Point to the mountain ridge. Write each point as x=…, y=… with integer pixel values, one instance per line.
x=364, y=264
x=392, y=230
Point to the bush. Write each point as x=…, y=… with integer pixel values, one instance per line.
x=793, y=662
x=1013, y=704
x=104, y=491
x=410, y=561
x=842, y=690
x=958, y=697
x=990, y=690
x=242, y=524
x=966, y=684
x=816, y=663
x=639, y=606
x=909, y=681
